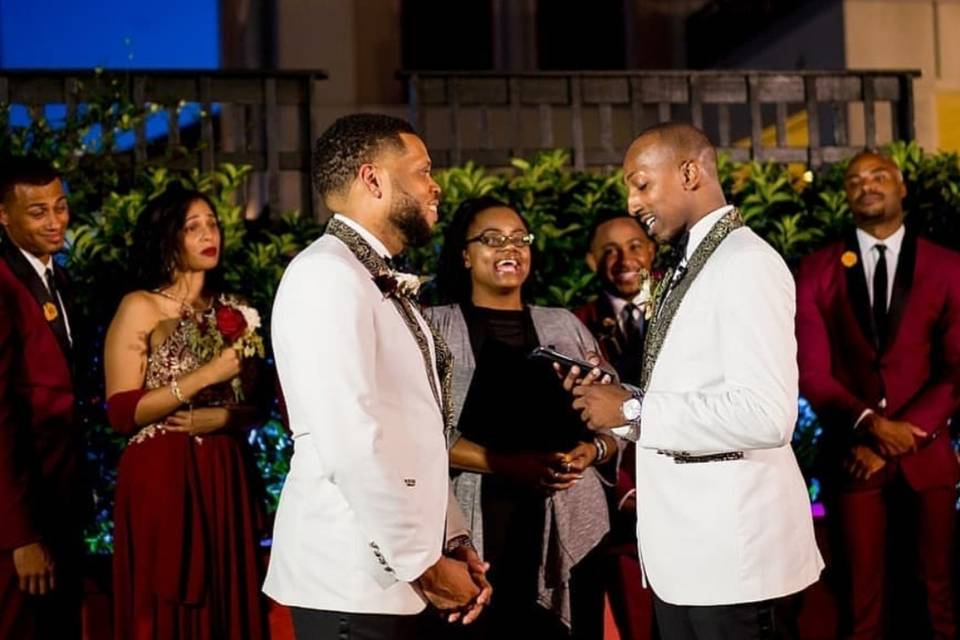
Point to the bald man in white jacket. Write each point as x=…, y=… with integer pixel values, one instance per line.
x=723, y=516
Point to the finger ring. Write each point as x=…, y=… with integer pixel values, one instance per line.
x=554, y=475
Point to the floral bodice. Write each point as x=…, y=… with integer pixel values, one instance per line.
x=172, y=359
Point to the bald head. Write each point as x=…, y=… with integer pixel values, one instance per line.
x=681, y=141
x=875, y=192
x=672, y=181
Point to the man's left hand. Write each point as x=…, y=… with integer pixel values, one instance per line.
x=600, y=405
x=478, y=571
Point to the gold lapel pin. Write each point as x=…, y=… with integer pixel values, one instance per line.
x=50, y=311
x=848, y=259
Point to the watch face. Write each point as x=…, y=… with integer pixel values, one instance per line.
x=631, y=409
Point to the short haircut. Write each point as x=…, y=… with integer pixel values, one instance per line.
x=604, y=216
x=686, y=140
x=350, y=142
x=29, y=170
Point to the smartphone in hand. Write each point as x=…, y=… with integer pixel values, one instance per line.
x=568, y=362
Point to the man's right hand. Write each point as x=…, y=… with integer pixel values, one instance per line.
x=894, y=438
x=448, y=585
x=34, y=566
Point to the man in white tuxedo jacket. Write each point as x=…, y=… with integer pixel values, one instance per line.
x=363, y=540
x=723, y=517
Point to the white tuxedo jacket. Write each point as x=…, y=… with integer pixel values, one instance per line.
x=363, y=509
x=726, y=532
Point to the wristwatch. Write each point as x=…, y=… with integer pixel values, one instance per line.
x=631, y=408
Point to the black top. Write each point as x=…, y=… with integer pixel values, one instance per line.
x=515, y=403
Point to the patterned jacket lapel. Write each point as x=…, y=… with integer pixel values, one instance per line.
x=376, y=265
x=666, y=309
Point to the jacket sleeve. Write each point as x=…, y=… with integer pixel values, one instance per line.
x=16, y=471
x=325, y=344
x=754, y=406
x=940, y=397
x=833, y=402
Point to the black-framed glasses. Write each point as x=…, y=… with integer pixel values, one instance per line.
x=497, y=240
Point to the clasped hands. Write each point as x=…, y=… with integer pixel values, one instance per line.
x=887, y=439
x=457, y=585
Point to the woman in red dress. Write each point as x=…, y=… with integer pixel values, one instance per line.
x=186, y=520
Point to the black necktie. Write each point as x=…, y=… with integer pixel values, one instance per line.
x=632, y=325
x=59, y=323
x=880, y=293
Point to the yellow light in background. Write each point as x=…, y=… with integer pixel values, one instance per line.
x=948, y=120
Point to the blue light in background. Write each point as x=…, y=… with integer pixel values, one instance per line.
x=114, y=34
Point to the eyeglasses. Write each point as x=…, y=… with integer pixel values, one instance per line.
x=499, y=240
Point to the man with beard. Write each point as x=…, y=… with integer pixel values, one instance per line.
x=878, y=325
x=366, y=533
x=621, y=254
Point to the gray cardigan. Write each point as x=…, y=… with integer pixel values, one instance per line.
x=575, y=519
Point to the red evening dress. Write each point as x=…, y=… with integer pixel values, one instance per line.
x=187, y=522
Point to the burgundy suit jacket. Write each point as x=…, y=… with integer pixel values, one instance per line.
x=599, y=318
x=844, y=369
x=42, y=496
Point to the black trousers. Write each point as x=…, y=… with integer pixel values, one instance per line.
x=766, y=620
x=314, y=624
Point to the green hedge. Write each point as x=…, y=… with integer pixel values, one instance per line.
x=793, y=209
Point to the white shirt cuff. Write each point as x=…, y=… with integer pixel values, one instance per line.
x=866, y=412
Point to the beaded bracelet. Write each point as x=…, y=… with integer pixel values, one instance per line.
x=177, y=392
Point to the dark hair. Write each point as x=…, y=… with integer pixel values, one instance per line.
x=604, y=216
x=29, y=170
x=350, y=142
x=453, y=278
x=158, y=239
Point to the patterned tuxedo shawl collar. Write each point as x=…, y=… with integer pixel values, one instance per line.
x=376, y=265
x=666, y=309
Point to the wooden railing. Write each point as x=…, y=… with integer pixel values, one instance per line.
x=269, y=119
x=491, y=117
x=263, y=119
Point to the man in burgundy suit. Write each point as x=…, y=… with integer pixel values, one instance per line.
x=621, y=254
x=878, y=329
x=42, y=497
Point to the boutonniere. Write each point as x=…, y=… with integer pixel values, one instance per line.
x=849, y=259
x=644, y=299
x=50, y=311
x=395, y=283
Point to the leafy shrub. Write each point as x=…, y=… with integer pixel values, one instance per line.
x=793, y=210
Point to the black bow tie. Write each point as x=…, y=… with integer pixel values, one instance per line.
x=678, y=249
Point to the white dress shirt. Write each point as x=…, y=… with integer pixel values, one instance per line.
x=618, y=305
x=870, y=255
x=42, y=270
